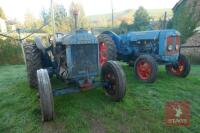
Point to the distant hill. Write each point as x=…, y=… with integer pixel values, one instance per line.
x=127, y=15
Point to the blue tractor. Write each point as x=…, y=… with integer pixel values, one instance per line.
x=75, y=60
x=145, y=50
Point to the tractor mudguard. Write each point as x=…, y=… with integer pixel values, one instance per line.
x=46, y=59
x=41, y=46
x=114, y=36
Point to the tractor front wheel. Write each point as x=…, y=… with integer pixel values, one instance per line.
x=46, y=95
x=181, y=69
x=146, y=68
x=114, y=80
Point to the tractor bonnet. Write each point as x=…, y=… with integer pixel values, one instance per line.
x=82, y=56
x=146, y=35
x=150, y=35
x=79, y=37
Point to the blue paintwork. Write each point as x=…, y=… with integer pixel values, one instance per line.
x=129, y=45
x=81, y=37
x=68, y=43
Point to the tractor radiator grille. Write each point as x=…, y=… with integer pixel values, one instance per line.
x=84, y=60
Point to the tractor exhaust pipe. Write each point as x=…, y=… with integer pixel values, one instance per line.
x=76, y=19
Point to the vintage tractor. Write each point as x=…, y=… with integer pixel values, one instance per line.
x=74, y=59
x=144, y=50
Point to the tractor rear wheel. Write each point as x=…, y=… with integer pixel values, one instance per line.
x=146, y=68
x=46, y=95
x=182, y=69
x=33, y=63
x=114, y=80
x=107, y=49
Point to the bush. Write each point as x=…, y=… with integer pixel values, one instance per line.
x=10, y=52
x=185, y=19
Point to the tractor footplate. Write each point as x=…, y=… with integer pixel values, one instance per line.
x=62, y=91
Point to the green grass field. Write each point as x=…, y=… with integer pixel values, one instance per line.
x=141, y=111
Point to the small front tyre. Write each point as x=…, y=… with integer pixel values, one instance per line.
x=46, y=95
x=146, y=68
x=114, y=80
x=181, y=69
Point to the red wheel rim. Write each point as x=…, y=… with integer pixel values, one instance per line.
x=144, y=69
x=179, y=69
x=103, y=53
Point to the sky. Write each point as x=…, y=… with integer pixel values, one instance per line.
x=17, y=8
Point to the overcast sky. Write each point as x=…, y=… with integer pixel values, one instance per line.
x=17, y=8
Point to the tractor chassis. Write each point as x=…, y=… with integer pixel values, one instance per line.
x=69, y=90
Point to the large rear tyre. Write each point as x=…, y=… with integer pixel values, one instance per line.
x=46, y=95
x=181, y=69
x=146, y=68
x=33, y=63
x=107, y=49
x=114, y=80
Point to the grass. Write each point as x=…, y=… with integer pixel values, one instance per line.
x=141, y=111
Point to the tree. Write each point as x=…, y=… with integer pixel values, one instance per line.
x=45, y=16
x=123, y=27
x=30, y=22
x=61, y=19
x=185, y=19
x=141, y=19
x=2, y=14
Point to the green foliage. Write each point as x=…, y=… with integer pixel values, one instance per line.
x=60, y=13
x=61, y=19
x=141, y=19
x=2, y=14
x=169, y=24
x=30, y=22
x=10, y=52
x=183, y=20
x=141, y=22
x=124, y=27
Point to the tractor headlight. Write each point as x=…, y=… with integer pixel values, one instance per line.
x=170, y=47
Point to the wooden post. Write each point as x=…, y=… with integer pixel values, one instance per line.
x=112, y=14
x=22, y=46
x=165, y=21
